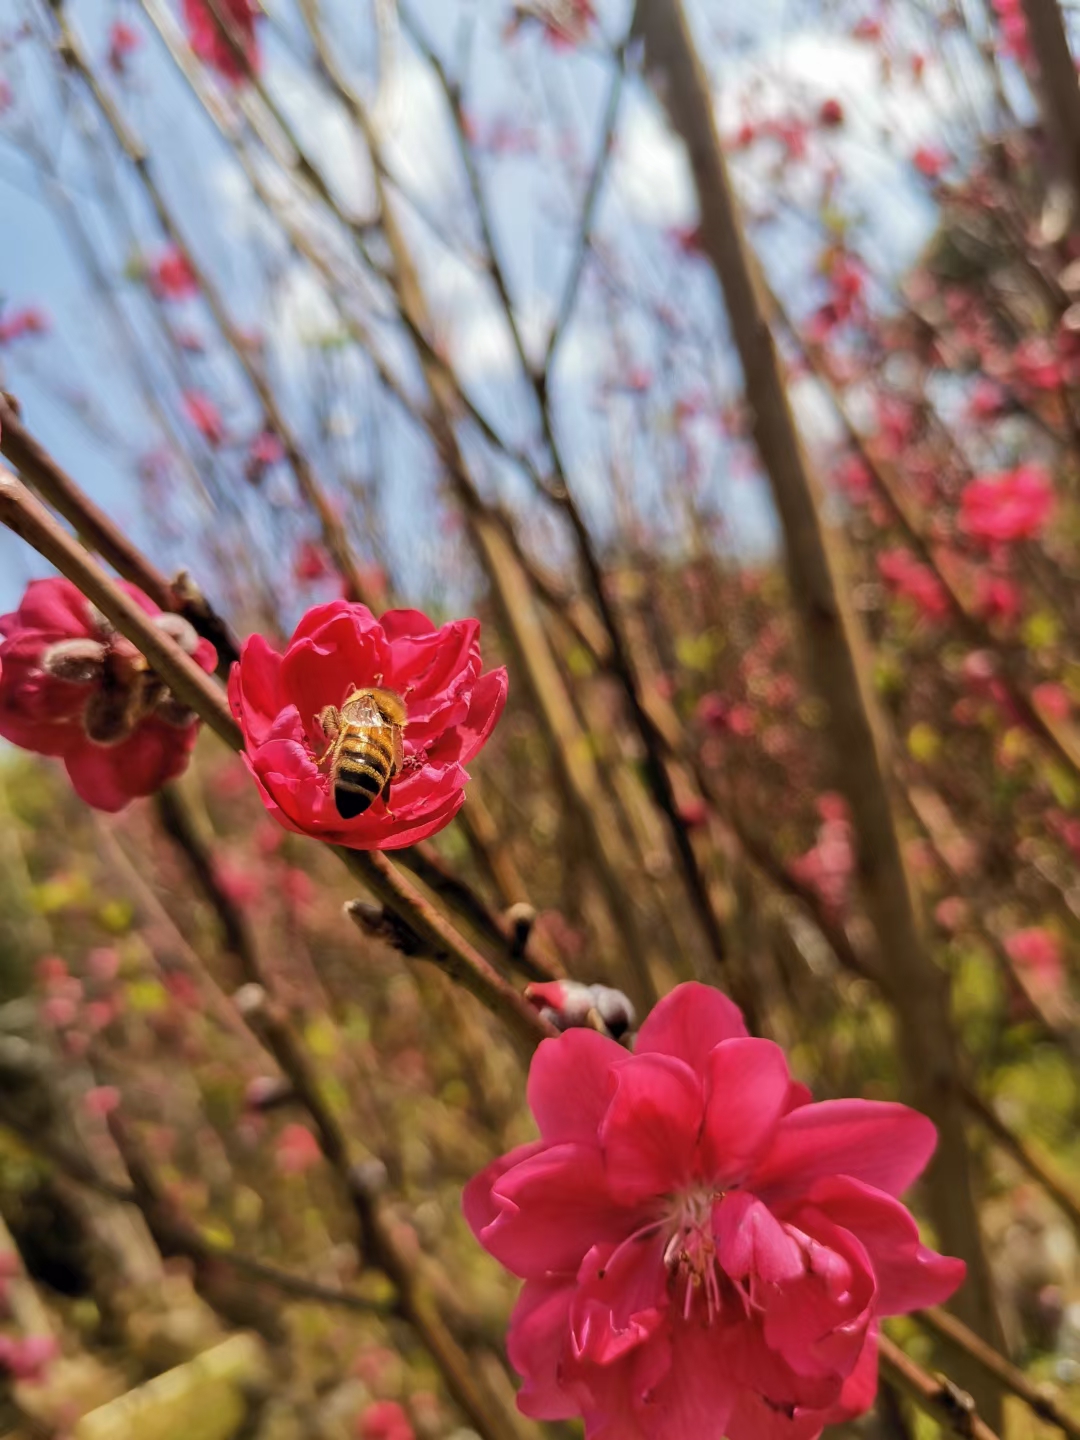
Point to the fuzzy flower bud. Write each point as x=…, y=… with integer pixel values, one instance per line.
x=567, y=1004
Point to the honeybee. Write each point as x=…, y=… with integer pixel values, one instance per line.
x=366, y=749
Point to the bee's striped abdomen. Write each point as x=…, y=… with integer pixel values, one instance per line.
x=363, y=766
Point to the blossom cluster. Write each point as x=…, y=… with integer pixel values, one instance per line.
x=70, y=686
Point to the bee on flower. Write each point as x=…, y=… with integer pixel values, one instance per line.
x=360, y=732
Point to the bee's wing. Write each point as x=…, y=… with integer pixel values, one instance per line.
x=365, y=711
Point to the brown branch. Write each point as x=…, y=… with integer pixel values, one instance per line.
x=442, y=943
x=605, y=146
x=218, y=1005
x=1040, y=1399
x=574, y=761
x=1057, y=88
x=21, y=512
x=496, y=930
x=936, y=1395
x=53, y=483
x=917, y=988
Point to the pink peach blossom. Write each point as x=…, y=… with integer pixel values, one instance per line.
x=706, y=1253
x=205, y=416
x=911, y=580
x=102, y=1100
x=124, y=40
x=27, y=1359
x=1053, y=700
x=171, y=277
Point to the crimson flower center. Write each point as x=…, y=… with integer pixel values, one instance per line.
x=690, y=1253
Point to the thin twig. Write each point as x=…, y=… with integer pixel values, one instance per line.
x=237, y=933
x=936, y=1395
x=217, y=1002
x=501, y=935
x=568, y=302
x=1055, y=1186
x=1040, y=1399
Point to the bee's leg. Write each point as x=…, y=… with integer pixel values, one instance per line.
x=386, y=797
x=329, y=719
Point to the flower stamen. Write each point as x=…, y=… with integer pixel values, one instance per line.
x=690, y=1253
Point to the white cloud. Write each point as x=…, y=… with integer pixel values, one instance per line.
x=327, y=134
x=650, y=173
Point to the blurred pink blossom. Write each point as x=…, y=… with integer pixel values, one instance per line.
x=1001, y=509
x=385, y=1420
x=29, y=1358
x=297, y=1150
x=1038, y=951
